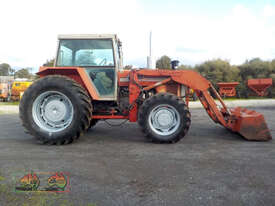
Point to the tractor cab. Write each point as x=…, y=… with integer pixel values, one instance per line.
x=100, y=55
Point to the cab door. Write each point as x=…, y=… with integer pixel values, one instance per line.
x=98, y=57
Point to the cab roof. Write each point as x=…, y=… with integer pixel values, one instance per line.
x=87, y=36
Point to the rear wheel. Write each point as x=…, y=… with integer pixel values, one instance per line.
x=56, y=110
x=164, y=118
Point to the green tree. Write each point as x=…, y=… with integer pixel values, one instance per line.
x=255, y=68
x=218, y=71
x=5, y=69
x=49, y=63
x=273, y=66
x=273, y=77
x=128, y=67
x=163, y=62
x=184, y=67
x=23, y=73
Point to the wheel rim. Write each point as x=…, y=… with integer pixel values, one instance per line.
x=164, y=120
x=52, y=111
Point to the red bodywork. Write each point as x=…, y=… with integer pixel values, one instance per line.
x=227, y=89
x=259, y=86
x=248, y=123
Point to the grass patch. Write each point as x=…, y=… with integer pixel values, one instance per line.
x=9, y=103
x=11, y=198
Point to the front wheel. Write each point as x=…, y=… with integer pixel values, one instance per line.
x=164, y=118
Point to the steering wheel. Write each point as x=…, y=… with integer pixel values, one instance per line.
x=103, y=62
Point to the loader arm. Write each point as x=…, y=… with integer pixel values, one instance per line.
x=201, y=86
x=250, y=124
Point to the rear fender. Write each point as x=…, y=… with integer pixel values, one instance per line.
x=76, y=73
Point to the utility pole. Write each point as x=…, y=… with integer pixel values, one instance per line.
x=149, y=58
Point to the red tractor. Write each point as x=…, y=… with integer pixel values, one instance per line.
x=87, y=84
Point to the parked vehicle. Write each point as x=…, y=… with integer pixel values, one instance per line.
x=87, y=84
x=18, y=88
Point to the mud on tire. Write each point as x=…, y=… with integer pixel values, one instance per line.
x=164, y=105
x=80, y=103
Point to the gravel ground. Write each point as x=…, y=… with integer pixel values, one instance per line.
x=117, y=166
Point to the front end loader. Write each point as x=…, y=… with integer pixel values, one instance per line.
x=88, y=84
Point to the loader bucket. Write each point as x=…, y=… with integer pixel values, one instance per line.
x=250, y=124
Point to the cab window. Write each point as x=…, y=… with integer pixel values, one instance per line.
x=103, y=79
x=85, y=52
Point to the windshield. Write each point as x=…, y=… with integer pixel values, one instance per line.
x=85, y=52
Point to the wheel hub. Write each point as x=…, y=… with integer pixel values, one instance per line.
x=52, y=111
x=164, y=119
x=55, y=111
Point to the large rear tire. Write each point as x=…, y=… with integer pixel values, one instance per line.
x=55, y=110
x=164, y=118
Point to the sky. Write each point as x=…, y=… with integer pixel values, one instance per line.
x=190, y=31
